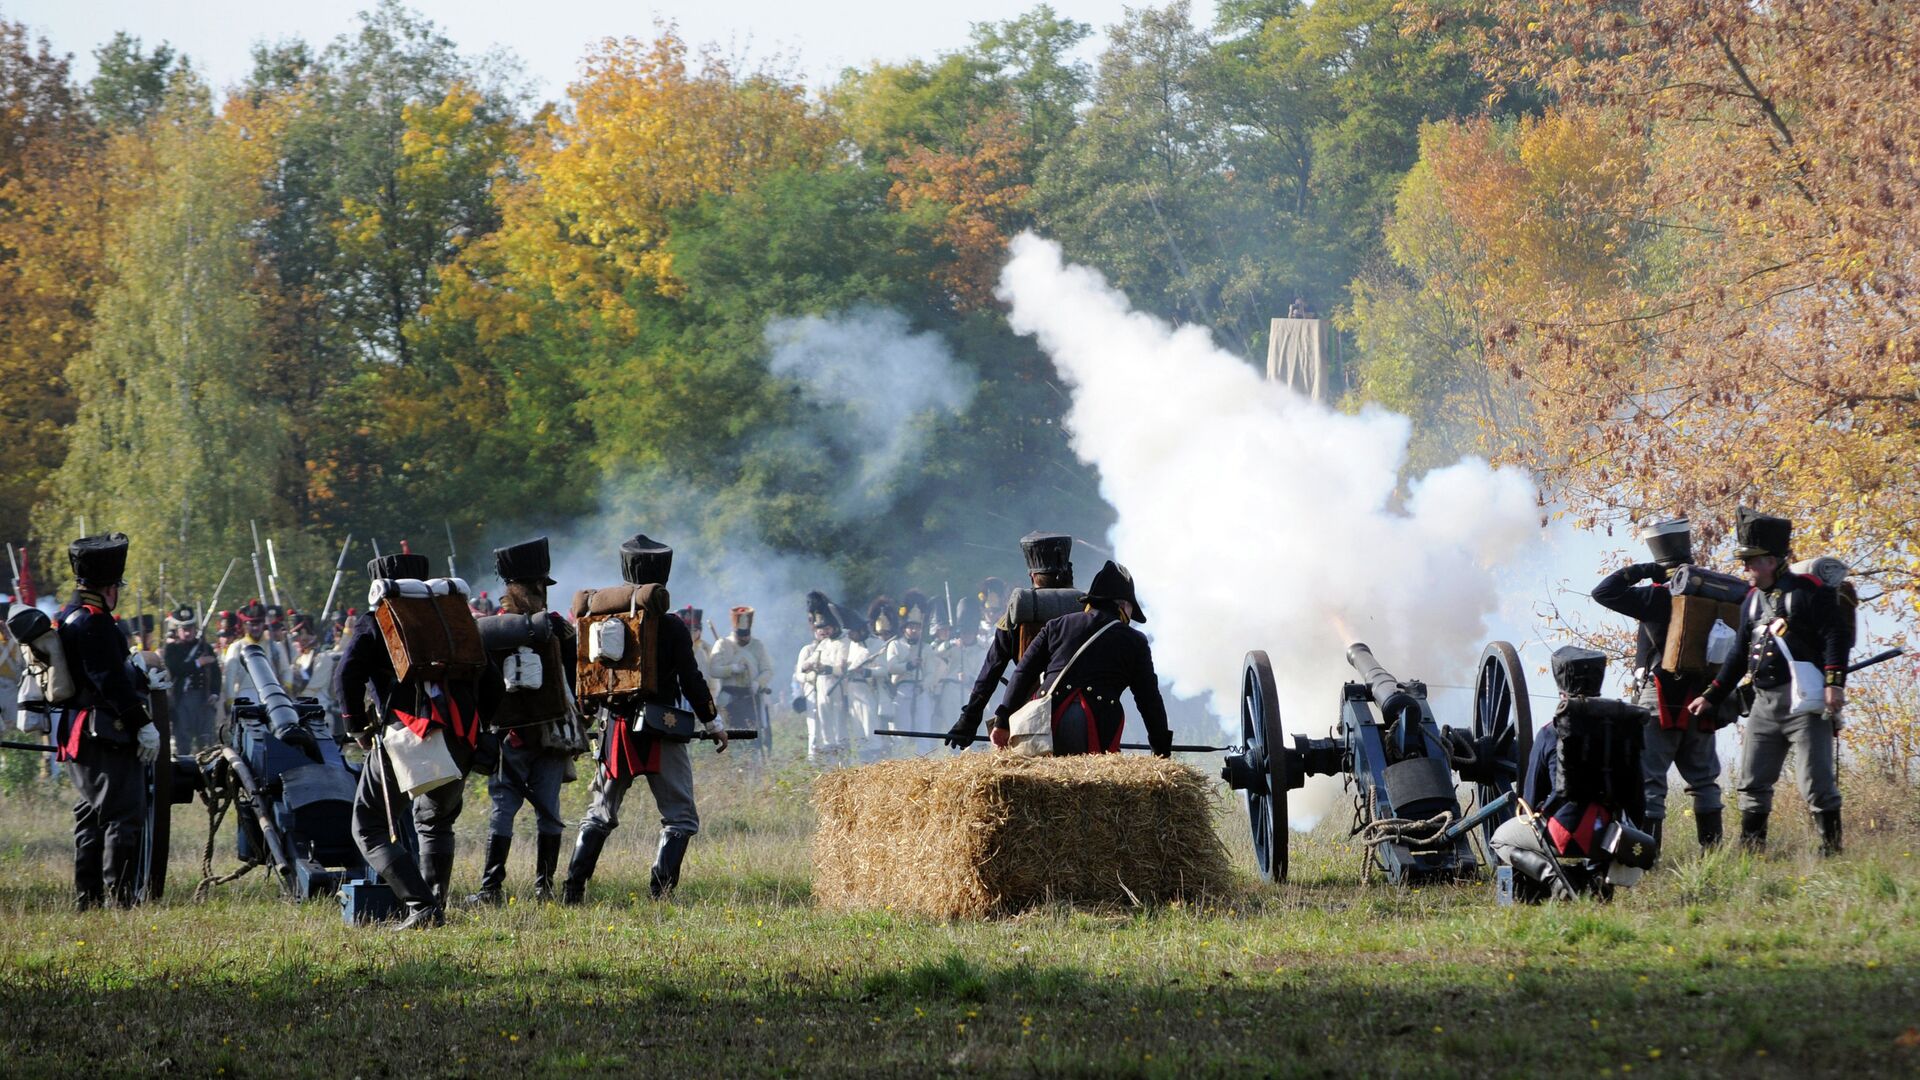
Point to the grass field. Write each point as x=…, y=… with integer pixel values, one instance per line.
x=1782, y=966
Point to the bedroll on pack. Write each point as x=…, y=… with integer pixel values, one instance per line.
x=1030, y=610
x=429, y=629
x=621, y=629
x=46, y=660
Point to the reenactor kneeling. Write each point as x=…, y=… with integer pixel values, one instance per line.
x=1577, y=832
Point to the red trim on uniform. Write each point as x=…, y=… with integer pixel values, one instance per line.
x=629, y=755
x=1578, y=841
x=70, y=747
x=443, y=710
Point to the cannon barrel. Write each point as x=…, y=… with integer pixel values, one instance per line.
x=282, y=716
x=1387, y=692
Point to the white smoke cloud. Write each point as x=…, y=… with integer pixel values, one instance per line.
x=1253, y=518
x=882, y=379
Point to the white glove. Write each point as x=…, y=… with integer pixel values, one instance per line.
x=149, y=737
x=718, y=733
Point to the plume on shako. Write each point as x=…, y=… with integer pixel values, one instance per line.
x=881, y=615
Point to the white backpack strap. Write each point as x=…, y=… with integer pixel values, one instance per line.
x=1095, y=636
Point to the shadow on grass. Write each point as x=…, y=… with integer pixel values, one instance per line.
x=441, y=1017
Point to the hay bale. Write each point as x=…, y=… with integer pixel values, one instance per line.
x=989, y=834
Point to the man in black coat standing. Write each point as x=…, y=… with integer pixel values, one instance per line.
x=1050, y=568
x=1108, y=656
x=454, y=707
x=103, y=733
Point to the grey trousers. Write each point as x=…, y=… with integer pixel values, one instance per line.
x=433, y=816
x=1770, y=734
x=672, y=789
x=1517, y=833
x=527, y=775
x=1694, y=753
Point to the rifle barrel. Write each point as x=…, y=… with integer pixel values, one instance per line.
x=1177, y=748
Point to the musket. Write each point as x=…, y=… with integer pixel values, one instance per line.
x=451, y=572
x=339, y=571
x=38, y=748
x=376, y=548
x=948, y=585
x=259, y=579
x=1176, y=748
x=15, y=561
x=206, y=613
x=1876, y=658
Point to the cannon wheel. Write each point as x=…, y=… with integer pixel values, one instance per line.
x=1503, y=713
x=1261, y=734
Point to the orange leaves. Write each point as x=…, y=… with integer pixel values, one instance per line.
x=648, y=133
x=979, y=191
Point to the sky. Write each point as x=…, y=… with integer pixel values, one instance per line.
x=549, y=36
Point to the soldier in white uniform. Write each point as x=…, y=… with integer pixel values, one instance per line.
x=822, y=671
x=745, y=671
x=913, y=669
x=961, y=654
x=235, y=682
x=694, y=620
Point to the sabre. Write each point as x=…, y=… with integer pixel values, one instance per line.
x=259, y=579
x=339, y=571
x=207, y=612
x=1176, y=748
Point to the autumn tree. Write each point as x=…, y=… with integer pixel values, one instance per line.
x=1767, y=353
x=176, y=435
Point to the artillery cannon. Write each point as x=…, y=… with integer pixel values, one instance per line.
x=1400, y=763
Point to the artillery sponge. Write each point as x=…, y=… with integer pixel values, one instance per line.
x=984, y=834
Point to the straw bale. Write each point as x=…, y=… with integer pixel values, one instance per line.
x=981, y=834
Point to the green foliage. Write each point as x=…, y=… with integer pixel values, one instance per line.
x=130, y=83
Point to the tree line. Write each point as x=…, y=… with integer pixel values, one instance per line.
x=1662, y=260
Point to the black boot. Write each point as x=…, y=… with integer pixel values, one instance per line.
x=493, y=876
x=1829, y=821
x=1541, y=873
x=1753, y=830
x=666, y=864
x=586, y=855
x=422, y=917
x=1707, y=826
x=546, y=856
x=437, y=870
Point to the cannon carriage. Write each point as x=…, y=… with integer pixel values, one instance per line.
x=1403, y=767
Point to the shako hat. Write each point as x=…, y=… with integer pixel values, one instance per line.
x=1671, y=542
x=1760, y=534
x=1113, y=582
x=1579, y=672
x=966, y=615
x=400, y=564
x=253, y=611
x=692, y=616
x=645, y=561
x=181, y=617
x=881, y=617
x=1048, y=553
x=913, y=607
x=99, y=560
x=742, y=618
x=820, y=611
x=528, y=560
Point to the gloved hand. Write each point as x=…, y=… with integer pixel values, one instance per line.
x=718, y=733
x=962, y=734
x=1649, y=571
x=149, y=737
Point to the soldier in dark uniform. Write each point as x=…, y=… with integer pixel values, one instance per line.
x=1674, y=737
x=103, y=733
x=625, y=753
x=456, y=708
x=194, y=667
x=1806, y=614
x=1087, y=715
x=537, y=726
x=1050, y=567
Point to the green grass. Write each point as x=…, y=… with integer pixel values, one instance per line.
x=1787, y=966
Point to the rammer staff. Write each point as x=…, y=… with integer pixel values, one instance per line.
x=339, y=571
